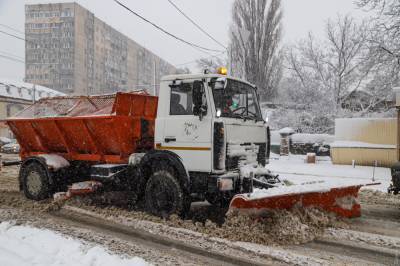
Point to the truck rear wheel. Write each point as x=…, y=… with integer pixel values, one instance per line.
x=35, y=181
x=164, y=195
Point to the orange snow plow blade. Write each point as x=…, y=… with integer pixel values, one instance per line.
x=341, y=200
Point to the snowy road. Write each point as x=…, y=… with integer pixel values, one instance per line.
x=24, y=245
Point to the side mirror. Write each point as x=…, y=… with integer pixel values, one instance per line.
x=265, y=116
x=198, y=91
x=198, y=99
x=220, y=84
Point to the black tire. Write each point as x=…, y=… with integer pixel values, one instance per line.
x=35, y=181
x=218, y=200
x=164, y=195
x=213, y=199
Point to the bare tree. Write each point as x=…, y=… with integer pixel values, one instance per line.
x=385, y=35
x=211, y=64
x=254, y=47
x=384, y=44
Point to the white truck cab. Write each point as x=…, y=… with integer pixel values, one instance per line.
x=213, y=123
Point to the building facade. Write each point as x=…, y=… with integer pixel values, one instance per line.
x=70, y=50
x=16, y=96
x=366, y=141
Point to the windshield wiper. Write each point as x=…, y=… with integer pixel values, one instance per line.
x=244, y=117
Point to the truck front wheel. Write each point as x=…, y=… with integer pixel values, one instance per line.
x=164, y=195
x=35, y=181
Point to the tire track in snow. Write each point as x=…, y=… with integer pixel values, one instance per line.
x=94, y=223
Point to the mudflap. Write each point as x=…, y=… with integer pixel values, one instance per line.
x=341, y=201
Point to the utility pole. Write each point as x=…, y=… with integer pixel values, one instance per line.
x=154, y=79
x=34, y=94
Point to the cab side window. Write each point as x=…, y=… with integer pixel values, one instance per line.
x=181, y=99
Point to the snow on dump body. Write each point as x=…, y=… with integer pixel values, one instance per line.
x=72, y=106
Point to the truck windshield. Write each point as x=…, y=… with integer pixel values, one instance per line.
x=237, y=100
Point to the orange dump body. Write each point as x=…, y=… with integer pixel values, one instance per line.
x=104, y=128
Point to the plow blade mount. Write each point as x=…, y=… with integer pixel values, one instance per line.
x=341, y=200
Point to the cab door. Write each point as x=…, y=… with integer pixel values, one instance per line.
x=186, y=134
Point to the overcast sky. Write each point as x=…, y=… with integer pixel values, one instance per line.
x=300, y=17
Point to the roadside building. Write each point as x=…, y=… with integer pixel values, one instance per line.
x=16, y=96
x=365, y=141
x=70, y=50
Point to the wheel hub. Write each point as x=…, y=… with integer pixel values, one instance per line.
x=34, y=183
x=163, y=198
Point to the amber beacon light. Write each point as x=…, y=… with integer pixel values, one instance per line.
x=222, y=71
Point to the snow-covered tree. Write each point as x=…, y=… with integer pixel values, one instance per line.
x=211, y=64
x=384, y=43
x=386, y=31
x=329, y=70
x=183, y=70
x=254, y=44
x=342, y=74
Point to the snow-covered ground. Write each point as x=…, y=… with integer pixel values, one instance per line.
x=23, y=245
x=297, y=171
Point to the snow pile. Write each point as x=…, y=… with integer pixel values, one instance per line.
x=281, y=227
x=378, y=197
x=312, y=138
x=286, y=131
x=255, y=169
x=22, y=245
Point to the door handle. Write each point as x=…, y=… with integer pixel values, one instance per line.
x=169, y=140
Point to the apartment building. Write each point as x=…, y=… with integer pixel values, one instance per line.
x=72, y=51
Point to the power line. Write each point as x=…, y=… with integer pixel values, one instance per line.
x=12, y=35
x=17, y=37
x=195, y=24
x=13, y=55
x=165, y=31
x=195, y=61
x=11, y=28
x=12, y=59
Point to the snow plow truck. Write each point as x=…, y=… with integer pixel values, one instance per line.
x=202, y=138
